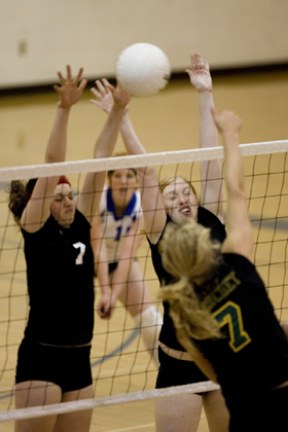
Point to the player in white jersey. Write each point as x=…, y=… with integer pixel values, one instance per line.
x=118, y=225
x=117, y=233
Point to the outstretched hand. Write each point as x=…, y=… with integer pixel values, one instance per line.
x=107, y=96
x=103, y=95
x=70, y=89
x=199, y=73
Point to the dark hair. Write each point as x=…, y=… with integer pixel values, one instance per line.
x=110, y=172
x=19, y=194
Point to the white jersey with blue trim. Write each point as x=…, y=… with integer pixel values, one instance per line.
x=117, y=227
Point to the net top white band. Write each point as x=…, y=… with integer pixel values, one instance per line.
x=136, y=161
x=80, y=405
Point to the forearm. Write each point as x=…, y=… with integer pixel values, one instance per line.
x=88, y=201
x=101, y=263
x=127, y=253
x=234, y=176
x=57, y=142
x=103, y=277
x=210, y=170
x=239, y=228
x=208, y=134
x=208, y=131
x=100, y=253
x=130, y=138
x=120, y=276
x=148, y=179
x=107, y=138
x=70, y=90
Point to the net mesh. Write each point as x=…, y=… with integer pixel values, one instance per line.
x=122, y=369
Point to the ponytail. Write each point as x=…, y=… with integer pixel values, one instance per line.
x=188, y=254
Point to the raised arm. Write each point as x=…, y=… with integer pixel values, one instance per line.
x=239, y=230
x=69, y=91
x=89, y=199
x=210, y=171
x=151, y=199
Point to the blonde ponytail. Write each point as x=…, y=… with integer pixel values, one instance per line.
x=187, y=253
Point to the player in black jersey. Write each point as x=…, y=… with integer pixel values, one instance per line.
x=176, y=199
x=53, y=363
x=221, y=309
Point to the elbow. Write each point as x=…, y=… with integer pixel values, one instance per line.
x=236, y=189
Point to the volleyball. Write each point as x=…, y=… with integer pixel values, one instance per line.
x=142, y=69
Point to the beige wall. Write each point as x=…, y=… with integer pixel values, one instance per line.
x=38, y=36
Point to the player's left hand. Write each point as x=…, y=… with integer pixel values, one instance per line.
x=199, y=73
x=103, y=97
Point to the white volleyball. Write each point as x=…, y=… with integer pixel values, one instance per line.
x=142, y=69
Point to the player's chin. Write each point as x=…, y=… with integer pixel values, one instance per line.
x=66, y=221
x=180, y=218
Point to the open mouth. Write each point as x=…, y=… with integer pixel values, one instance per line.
x=123, y=191
x=185, y=210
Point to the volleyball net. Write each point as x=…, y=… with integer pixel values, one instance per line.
x=122, y=368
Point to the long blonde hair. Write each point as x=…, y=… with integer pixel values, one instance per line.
x=189, y=255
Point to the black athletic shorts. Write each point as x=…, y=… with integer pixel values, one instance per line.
x=112, y=267
x=173, y=372
x=69, y=368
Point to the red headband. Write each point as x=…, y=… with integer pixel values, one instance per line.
x=63, y=179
